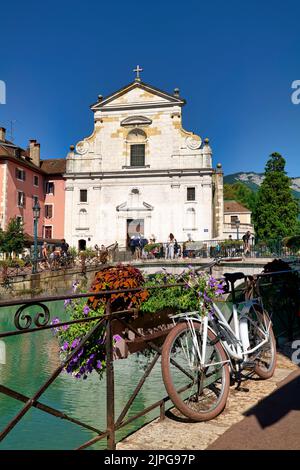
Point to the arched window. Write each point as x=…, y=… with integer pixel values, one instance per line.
x=137, y=141
x=191, y=218
x=83, y=218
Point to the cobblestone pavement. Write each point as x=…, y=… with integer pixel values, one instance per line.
x=179, y=433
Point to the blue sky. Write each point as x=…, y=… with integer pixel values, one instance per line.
x=233, y=61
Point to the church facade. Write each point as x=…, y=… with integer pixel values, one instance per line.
x=141, y=172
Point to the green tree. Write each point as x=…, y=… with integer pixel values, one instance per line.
x=14, y=238
x=276, y=211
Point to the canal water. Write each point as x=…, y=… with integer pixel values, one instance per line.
x=30, y=360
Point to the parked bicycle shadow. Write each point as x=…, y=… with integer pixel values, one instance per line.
x=175, y=415
x=277, y=405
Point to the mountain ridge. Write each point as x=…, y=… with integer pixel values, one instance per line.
x=253, y=180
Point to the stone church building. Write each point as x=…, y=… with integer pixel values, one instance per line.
x=140, y=171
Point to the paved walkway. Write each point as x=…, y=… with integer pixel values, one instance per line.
x=272, y=419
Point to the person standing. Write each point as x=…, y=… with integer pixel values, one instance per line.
x=64, y=248
x=45, y=263
x=170, y=247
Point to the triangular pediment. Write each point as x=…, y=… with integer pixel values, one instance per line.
x=125, y=207
x=137, y=94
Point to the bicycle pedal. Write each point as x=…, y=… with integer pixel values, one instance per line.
x=248, y=365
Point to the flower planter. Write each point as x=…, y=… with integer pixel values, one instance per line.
x=152, y=326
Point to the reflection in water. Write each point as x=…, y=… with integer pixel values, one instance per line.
x=31, y=358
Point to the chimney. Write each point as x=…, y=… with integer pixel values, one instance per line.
x=2, y=133
x=34, y=152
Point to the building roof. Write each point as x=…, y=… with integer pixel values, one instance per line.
x=234, y=206
x=51, y=166
x=54, y=166
x=10, y=151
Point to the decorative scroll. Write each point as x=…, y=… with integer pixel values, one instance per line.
x=24, y=321
x=193, y=143
x=82, y=147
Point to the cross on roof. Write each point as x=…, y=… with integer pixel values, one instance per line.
x=138, y=70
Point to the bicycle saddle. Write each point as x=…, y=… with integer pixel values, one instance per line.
x=233, y=277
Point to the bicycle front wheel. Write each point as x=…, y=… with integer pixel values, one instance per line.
x=198, y=392
x=265, y=357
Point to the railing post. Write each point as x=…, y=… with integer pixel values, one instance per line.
x=110, y=386
x=162, y=411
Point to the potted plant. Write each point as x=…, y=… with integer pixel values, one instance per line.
x=152, y=307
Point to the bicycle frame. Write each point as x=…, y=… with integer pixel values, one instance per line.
x=231, y=339
x=238, y=349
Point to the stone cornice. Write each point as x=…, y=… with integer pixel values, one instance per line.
x=141, y=174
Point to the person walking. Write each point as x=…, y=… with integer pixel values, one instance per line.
x=246, y=242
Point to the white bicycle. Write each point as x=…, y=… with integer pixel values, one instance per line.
x=200, y=354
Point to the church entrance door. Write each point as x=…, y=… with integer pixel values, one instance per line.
x=81, y=245
x=135, y=227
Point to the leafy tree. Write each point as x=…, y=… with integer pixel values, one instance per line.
x=241, y=193
x=276, y=211
x=14, y=238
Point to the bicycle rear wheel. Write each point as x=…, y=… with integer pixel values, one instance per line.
x=265, y=357
x=200, y=393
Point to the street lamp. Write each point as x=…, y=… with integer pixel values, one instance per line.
x=36, y=209
x=237, y=224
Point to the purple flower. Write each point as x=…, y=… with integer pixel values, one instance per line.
x=117, y=338
x=67, y=302
x=80, y=352
x=99, y=365
x=66, y=327
x=86, y=310
x=65, y=346
x=75, y=343
x=74, y=360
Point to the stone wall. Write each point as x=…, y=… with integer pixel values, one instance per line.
x=44, y=284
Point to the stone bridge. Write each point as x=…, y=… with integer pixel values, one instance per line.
x=248, y=266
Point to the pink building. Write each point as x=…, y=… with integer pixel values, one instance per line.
x=24, y=178
x=54, y=202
